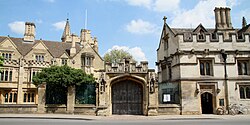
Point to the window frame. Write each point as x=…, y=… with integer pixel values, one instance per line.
x=243, y=67
x=11, y=97
x=204, y=68
x=29, y=97
x=244, y=92
x=64, y=61
x=39, y=57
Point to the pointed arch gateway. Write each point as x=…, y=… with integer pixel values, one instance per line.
x=127, y=96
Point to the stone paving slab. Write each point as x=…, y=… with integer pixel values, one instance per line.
x=124, y=117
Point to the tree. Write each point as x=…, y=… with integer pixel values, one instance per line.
x=62, y=75
x=115, y=56
x=1, y=62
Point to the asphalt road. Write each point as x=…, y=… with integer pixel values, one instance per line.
x=27, y=121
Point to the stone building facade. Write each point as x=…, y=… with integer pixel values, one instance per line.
x=24, y=57
x=203, y=69
x=123, y=88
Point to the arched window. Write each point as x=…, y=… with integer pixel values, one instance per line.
x=10, y=98
x=202, y=70
x=28, y=97
x=248, y=92
x=242, y=93
x=32, y=97
x=24, y=97
x=6, y=75
x=6, y=97
x=15, y=97
x=208, y=68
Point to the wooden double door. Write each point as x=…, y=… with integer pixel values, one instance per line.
x=127, y=98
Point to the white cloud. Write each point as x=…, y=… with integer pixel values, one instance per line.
x=136, y=52
x=141, y=27
x=143, y=3
x=166, y=5
x=17, y=27
x=201, y=13
x=156, y=5
x=59, y=25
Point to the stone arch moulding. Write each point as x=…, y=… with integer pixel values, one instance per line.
x=134, y=78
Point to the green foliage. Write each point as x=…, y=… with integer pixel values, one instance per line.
x=62, y=75
x=115, y=56
x=1, y=61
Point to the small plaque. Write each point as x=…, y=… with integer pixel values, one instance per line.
x=166, y=97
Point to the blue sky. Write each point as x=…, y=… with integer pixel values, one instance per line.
x=134, y=25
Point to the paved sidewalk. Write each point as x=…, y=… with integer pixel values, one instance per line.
x=123, y=117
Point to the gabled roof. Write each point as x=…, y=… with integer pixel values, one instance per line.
x=189, y=30
x=55, y=48
x=199, y=28
x=245, y=29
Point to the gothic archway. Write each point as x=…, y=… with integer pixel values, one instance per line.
x=127, y=97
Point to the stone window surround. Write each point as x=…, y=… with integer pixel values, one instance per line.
x=6, y=74
x=29, y=97
x=7, y=55
x=243, y=66
x=207, y=69
x=243, y=90
x=64, y=61
x=10, y=96
x=39, y=57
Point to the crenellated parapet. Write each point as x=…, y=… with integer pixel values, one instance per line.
x=127, y=67
x=213, y=37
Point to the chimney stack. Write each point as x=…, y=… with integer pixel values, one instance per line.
x=85, y=36
x=73, y=45
x=29, y=34
x=222, y=18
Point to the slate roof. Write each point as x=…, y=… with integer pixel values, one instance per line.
x=54, y=47
x=188, y=30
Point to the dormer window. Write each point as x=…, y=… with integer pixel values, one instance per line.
x=40, y=58
x=87, y=59
x=201, y=35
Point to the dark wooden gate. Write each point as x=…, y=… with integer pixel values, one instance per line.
x=127, y=98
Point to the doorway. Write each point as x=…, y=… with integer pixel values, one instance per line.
x=207, y=103
x=127, y=98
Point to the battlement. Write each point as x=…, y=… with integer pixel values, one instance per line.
x=213, y=37
x=124, y=67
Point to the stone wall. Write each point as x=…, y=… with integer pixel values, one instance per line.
x=18, y=108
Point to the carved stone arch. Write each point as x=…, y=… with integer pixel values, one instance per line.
x=137, y=79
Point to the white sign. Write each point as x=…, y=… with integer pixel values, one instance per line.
x=166, y=97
